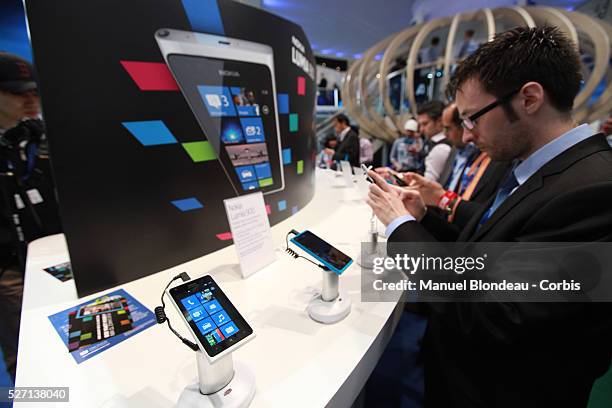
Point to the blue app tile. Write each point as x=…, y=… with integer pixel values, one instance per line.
x=263, y=171
x=218, y=100
x=283, y=103
x=286, y=156
x=187, y=204
x=253, y=129
x=190, y=302
x=231, y=132
x=220, y=317
x=212, y=307
x=151, y=132
x=235, y=90
x=198, y=313
x=229, y=329
x=248, y=110
x=206, y=325
x=251, y=185
x=204, y=297
x=282, y=205
x=246, y=173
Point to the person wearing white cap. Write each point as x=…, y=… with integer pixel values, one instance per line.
x=404, y=152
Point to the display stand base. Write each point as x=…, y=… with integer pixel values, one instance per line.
x=330, y=311
x=237, y=394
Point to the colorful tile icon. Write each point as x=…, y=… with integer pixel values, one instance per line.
x=300, y=166
x=282, y=205
x=206, y=325
x=231, y=131
x=286, y=156
x=246, y=173
x=253, y=130
x=150, y=76
x=266, y=182
x=187, y=204
x=251, y=185
x=200, y=151
x=190, y=302
x=268, y=209
x=150, y=132
x=263, y=170
x=301, y=85
x=283, y=103
x=229, y=329
x=212, y=307
x=293, y=122
x=218, y=100
x=224, y=236
x=198, y=313
x=220, y=318
x=294, y=210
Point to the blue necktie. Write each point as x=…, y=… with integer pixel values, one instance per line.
x=507, y=187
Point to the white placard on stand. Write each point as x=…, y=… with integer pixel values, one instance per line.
x=347, y=172
x=250, y=228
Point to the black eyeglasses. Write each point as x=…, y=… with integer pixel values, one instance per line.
x=470, y=122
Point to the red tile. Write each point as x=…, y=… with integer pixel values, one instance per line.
x=150, y=76
x=225, y=236
x=301, y=85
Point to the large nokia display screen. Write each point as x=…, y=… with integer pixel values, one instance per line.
x=211, y=316
x=235, y=105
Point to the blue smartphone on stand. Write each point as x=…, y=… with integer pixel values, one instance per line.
x=333, y=258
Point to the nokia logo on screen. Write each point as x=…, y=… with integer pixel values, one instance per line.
x=229, y=73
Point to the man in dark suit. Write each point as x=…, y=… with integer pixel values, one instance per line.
x=515, y=95
x=348, y=149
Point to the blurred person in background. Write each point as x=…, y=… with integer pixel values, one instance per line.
x=405, y=151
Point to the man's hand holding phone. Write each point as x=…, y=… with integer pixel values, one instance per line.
x=390, y=202
x=431, y=191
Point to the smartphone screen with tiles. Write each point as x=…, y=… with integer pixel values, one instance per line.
x=234, y=104
x=210, y=315
x=97, y=321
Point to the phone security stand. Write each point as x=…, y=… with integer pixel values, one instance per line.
x=370, y=250
x=220, y=385
x=331, y=305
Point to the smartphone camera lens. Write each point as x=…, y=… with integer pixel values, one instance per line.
x=163, y=33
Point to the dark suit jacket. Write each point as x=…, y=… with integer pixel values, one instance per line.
x=348, y=149
x=527, y=354
x=435, y=221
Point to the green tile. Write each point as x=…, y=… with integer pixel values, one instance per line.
x=266, y=182
x=200, y=151
x=86, y=319
x=300, y=166
x=86, y=336
x=293, y=122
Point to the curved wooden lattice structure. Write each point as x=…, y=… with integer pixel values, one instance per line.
x=366, y=88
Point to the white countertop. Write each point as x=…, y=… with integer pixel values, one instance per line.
x=297, y=362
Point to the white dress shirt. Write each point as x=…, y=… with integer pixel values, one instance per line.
x=436, y=159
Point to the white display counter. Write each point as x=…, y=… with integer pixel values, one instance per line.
x=297, y=362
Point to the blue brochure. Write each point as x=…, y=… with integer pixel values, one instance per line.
x=92, y=327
